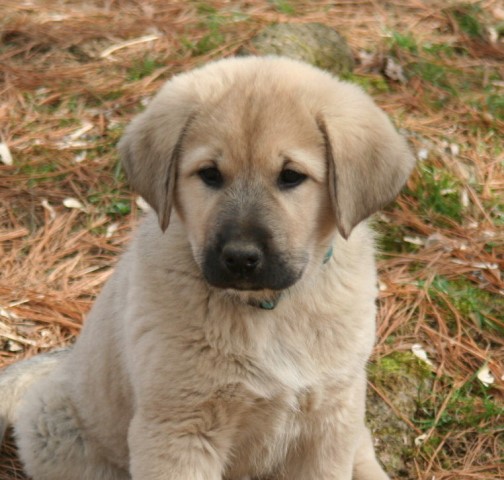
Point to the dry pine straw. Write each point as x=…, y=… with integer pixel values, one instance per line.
x=54, y=260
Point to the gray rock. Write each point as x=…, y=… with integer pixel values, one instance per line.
x=404, y=379
x=314, y=43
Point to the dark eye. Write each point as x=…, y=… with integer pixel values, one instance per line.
x=290, y=179
x=211, y=176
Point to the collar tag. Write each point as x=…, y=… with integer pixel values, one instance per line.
x=328, y=255
x=268, y=304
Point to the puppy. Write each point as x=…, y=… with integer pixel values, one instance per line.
x=232, y=339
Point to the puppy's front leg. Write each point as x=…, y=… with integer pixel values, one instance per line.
x=182, y=448
x=330, y=435
x=334, y=457
x=322, y=455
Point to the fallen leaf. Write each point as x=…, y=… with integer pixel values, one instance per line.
x=70, y=202
x=485, y=375
x=394, y=71
x=49, y=208
x=5, y=154
x=111, y=229
x=420, y=353
x=142, y=204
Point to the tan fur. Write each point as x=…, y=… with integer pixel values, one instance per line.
x=174, y=379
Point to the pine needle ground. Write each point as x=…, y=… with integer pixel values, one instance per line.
x=72, y=74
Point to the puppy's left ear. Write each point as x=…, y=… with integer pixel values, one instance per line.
x=368, y=161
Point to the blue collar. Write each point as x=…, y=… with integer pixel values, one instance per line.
x=271, y=304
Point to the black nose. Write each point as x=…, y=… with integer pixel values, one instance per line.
x=241, y=258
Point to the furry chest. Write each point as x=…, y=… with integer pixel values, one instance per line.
x=265, y=435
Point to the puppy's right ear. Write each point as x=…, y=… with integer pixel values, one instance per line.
x=150, y=149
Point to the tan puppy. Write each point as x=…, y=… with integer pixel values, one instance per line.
x=232, y=339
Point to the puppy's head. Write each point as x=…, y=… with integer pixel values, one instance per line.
x=264, y=159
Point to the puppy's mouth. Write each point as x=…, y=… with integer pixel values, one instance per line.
x=250, y=271
x=268, y=278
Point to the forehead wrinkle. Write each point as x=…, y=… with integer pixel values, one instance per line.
x=254, y=123
x=256, y=150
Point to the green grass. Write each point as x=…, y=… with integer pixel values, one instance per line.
x=390, y=239
x=372, y=84
x=69, y=122
x=403, y=41
x=211, y=22
x=495, y=105
x=434, y=74
x=471, y=406
x=214, y=23
x=438, y=194
x=141, y=68
x=467, y=17
x=40, y=173
x=445, y=84
x=283, y=6
x=470, y=301
x=111, y=200
x=440, y=51
x=117, y=94
x=206, y=44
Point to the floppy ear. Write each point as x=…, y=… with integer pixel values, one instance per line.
x=368, y=161
x=150, y=148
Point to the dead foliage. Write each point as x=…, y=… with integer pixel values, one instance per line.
x=72, y=74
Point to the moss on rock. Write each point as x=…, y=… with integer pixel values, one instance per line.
x=314, y=43
x=403, y=378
